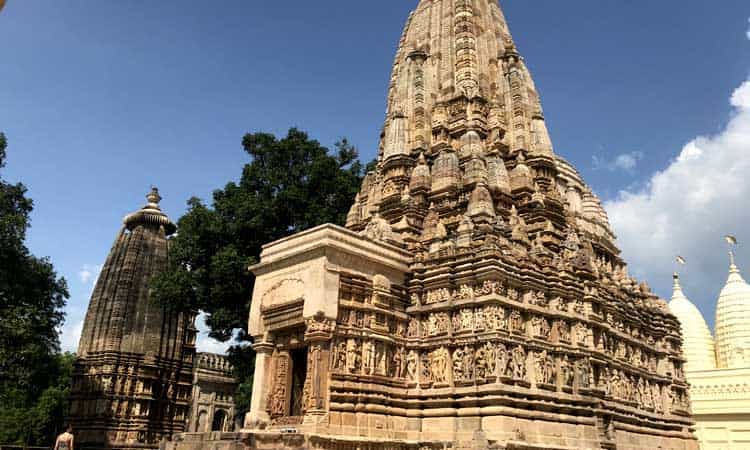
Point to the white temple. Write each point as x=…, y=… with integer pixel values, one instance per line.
x=718, y=369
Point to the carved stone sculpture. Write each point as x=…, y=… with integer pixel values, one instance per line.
x=484, y=285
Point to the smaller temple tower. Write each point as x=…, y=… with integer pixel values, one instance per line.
x=214, y=388
x=698, y=343
x=718, y=369
x=132, y=380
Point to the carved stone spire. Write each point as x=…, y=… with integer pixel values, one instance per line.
x=497, y=287
x=130, y=342
x=462, y=110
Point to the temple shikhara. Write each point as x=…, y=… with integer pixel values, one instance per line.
x=718, y=370
x=136, y=381
x=133, y=374
x=476, y=298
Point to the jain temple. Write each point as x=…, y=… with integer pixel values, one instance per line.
x=476, y=298
x=718, y=369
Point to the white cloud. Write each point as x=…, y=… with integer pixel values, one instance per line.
x=741, y=97
x=89, y=273
x=625, y=161
x=688, y=207
x=748, y=31
x=204, y=343
x=70, y=335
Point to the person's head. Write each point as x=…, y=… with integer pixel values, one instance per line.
x=69, y=428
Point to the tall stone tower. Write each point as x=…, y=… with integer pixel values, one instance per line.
x=133, y=376
x=477, y=298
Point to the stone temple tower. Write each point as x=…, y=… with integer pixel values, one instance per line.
x=133, y=376
x=477, y=297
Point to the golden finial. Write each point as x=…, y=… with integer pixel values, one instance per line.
x=153, y=197
x=732, y=242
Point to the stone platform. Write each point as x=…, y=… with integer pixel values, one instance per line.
x=294, y=439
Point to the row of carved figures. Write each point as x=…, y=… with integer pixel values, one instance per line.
x=643, y=392
x=123, y=408
x=498, y=362
x=489, y=287
x=125, y=385
x=497, y=318
x=494, y=317
x=539, y=298
x=130, y=437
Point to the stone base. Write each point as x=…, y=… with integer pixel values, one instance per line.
x=297, y=439
x=281, y=440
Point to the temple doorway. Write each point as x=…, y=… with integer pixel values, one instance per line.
x=299, y=373
x=220, y=419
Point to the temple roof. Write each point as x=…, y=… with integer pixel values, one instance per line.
x=121, y=316
x=698, y=344
x=733, y=321
x=150, y=213
x=465, y=136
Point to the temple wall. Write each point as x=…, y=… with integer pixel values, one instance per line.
x=384, y=366
x=720, y=401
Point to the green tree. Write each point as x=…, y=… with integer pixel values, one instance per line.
x=24, y=420
x=32, y=298
x=289, y=185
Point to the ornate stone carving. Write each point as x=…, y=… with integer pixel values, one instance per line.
x=368, y=357
x=319, y=327
x=567, y=371
x=516, y=322
x=278, y=395
x=540, y=327
x=412, y=364
x=353, y=356
x=545, y=368
x=486, y=361
x=517, y=364
x=437, y=323
x=463, y=364
x=497, y=286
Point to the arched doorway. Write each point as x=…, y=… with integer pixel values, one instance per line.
x=220, y=419
x=200, y=426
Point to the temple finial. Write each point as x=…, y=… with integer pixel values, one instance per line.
x=153, y=196
x=676, y=285
x=731, y=242
x=150, y=213
x=732, y=264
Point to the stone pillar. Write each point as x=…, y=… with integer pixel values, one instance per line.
x=318, y=338
x=258, y=418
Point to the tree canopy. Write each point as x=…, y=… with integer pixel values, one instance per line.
x=32, y=298
x=289, y=185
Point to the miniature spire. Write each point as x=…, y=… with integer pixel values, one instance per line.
x=676, y=288
x=735, y=276
x=733, y=304
x=153, y=197
x=151, y=213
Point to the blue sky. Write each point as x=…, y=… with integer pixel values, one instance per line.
x=101, y=99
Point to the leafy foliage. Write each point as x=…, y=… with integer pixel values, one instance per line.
x=291, y=184
x=38, y=421
x=31, y=301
